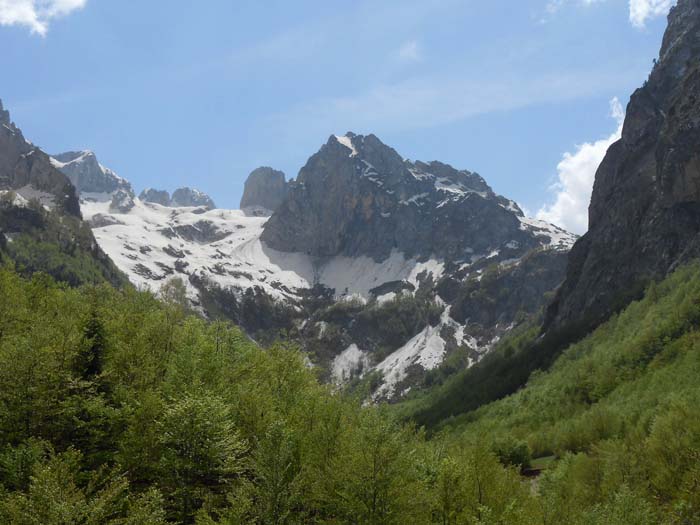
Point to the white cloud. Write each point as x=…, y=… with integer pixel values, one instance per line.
x=643, y=10
x=410, y=51
x=36, y=14
x=640, y=11
x=576, y=173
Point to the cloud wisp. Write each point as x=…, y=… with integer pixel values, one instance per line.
x=410, y=52
x=640, y=11
x=36, y=14
x=643, y=10
x=576, y=173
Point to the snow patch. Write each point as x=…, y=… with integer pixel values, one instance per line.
x=427, y=349
x=351, y=362
x=347, y=142
x=559, y=238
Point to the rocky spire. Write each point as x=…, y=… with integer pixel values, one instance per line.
x=265, y=189
x=4, y=115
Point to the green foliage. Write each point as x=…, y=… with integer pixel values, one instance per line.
x=55, y=243
x=118, y=408
x=620, y=410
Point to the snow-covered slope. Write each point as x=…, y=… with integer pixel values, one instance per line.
x=152, y=243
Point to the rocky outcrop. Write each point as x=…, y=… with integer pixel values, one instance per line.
x=265, y=189
x=88, y=175
x=190, y=197
x=161, y=197
x=644, y=216
x=182, y=198
x=122, y=202
x=29, y=172
x=357, y=196
x=40, y=213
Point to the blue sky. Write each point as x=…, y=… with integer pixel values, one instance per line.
x=172, y=93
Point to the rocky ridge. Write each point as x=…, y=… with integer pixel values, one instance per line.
x=644, y=216
x=41, y=228
x=182, y=197
x=87, y=174
x=357, y=196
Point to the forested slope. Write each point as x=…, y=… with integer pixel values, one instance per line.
x=116, y=407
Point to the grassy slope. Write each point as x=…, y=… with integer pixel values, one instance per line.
x=611, y=384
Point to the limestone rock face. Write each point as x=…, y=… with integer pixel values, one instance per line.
x=182, y=197
x=161, y=197
x=191, y=197
x=28, y=171
x=265, y=189
x=88, y=175
x=122, y=202
x=357, y=196
x=644, y=216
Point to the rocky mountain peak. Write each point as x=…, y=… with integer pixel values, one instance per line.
x=182, y=198
x=191, y=197
x=357, y=196
x=264, y=190
x=644, y=216
x=161, y=197
x=88, y=175
x=28, y=171
x=4, y=115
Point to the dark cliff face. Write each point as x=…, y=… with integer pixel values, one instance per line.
x=265, y=189
x=644, y=216
x=357, y=196
x=28, y=170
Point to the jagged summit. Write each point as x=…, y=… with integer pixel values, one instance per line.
x=4, y=115
x=358, y=196
x=182, y=197
x=88, y=175
x=161, y=197
x=264, y=190
x=644, y=216
x=191, y=197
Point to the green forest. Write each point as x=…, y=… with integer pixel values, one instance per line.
x=118, y=407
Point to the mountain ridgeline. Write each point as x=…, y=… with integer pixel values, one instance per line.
x=357, y=196
x=41, y=227
x=528, y=384
x=390, y=274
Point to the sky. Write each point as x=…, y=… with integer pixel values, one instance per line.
x=528, y=93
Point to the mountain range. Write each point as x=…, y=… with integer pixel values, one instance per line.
x=359, y=234
x=167, y=368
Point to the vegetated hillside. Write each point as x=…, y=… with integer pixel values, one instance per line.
x=620, y=409
x=118, y=408
x=36, y=239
